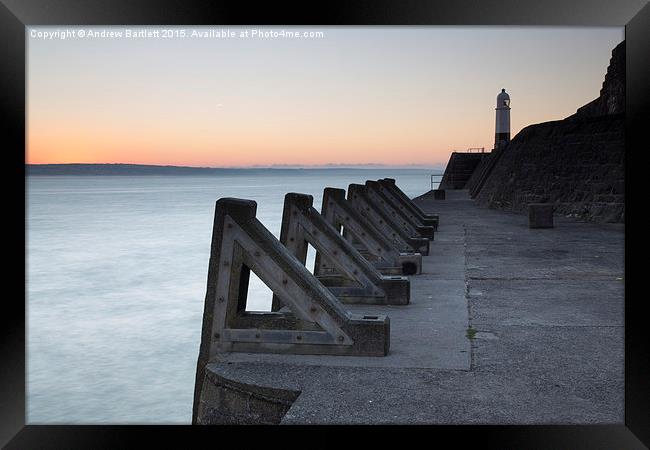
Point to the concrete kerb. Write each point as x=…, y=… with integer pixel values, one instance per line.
x=313, y=322
x=373, y=245
x=358, y=198
x=340, y=267
x=397, y=211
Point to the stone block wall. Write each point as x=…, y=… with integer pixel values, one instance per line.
x=459, y=169
x=576, y=163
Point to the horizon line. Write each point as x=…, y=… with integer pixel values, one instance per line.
x=271, y=166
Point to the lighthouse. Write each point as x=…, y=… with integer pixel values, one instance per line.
x=502, y=130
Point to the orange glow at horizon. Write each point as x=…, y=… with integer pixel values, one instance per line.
x=335, y=101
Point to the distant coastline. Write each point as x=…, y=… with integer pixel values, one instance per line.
x=143, y=169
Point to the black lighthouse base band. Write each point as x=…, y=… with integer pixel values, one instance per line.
x=500, y=137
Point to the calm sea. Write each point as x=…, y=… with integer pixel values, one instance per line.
x=116, y=274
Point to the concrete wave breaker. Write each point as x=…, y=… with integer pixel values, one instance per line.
x=371, y=243
x=375, y=214
x=410, y=205
x=339, y=266
x=406, y=205
x=399, y=216
x=312, y=320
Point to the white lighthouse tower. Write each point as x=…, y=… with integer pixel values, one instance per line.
x=502, y=131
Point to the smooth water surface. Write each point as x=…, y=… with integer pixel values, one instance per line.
x=116, y=275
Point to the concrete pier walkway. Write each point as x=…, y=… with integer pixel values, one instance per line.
x=506, y=325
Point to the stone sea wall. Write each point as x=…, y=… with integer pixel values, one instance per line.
x=459, y=169
x=576, y=163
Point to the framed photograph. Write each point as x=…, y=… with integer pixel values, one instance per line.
x=362, y=214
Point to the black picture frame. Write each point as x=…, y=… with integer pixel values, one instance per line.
x=15, y=15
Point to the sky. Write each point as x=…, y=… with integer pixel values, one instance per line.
x=397, y=95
